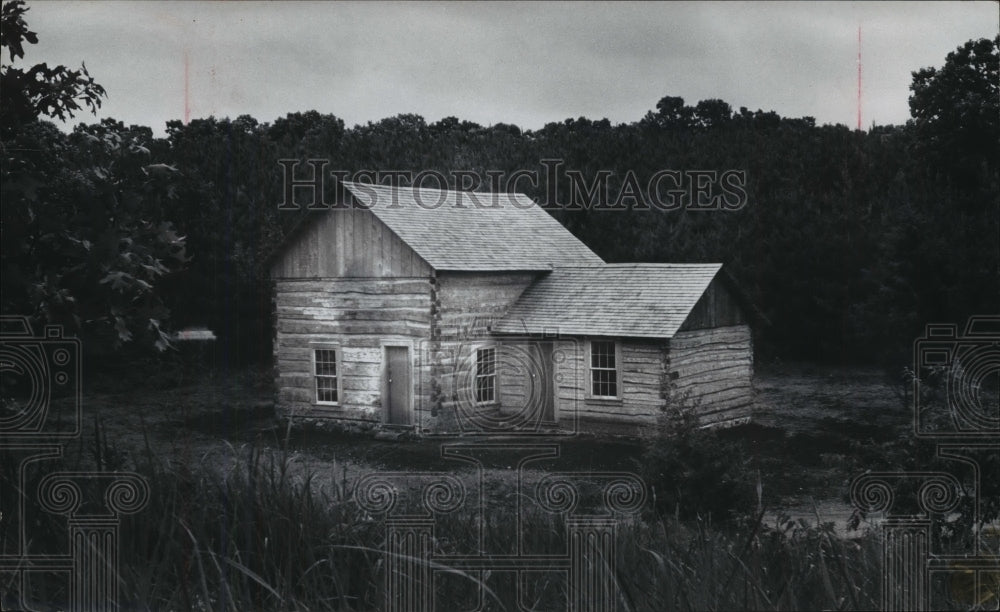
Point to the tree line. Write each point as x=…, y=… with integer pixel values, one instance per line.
x=848, y=241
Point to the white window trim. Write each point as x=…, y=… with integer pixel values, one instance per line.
x=495, y=375
x=315, y=376
x=590, y=370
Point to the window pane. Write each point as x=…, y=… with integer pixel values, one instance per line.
x=326, y=374
x=326, y=389
x=326, y=369
x=485, y=375
x=609, y=385
x=485, y=391
x=603, y=369
x=485, y=361
x=602, y=354
x=326, y=361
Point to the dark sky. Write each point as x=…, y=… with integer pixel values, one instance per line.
x=526, y=64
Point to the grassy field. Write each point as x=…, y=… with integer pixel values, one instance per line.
x=242, y=517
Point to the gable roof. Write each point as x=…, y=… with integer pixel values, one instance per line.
x=631, y=300
x=454, y=230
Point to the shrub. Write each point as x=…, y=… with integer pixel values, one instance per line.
x=693, y=472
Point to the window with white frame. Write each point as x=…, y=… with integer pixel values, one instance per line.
x=325, y=371
x=486, y=375
x=603, y=369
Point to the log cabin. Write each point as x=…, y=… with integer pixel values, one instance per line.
x=454, y=312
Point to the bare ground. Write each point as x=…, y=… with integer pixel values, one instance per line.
x=812, y=421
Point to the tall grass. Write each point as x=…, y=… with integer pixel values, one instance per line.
x=260, y=535
x=789, y=566
x=256, y=535
x=259, y=532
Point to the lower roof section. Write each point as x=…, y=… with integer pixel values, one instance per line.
x=633, y=300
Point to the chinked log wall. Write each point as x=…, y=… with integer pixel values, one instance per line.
x=348, y=281
x=711, y=372
x=464, y=305
x=642, y=385
x=358, y=315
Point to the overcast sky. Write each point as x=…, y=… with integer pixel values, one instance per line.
x=527, y=64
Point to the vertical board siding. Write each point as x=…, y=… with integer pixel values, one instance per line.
x=358, y=315
x=528, y=375
x=712, y=372
x=349, y=243
x=717, y=307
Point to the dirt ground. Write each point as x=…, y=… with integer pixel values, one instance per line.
x=808, y=422
x=819, y=417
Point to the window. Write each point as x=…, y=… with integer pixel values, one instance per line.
x=603, y=369
x=486, y=375
x=325, y=364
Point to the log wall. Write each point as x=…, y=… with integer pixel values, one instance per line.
x=642, y=373
x=711, y=371
x=359, y=315
x=464, y=305
x=538, y=375
x=348, y=281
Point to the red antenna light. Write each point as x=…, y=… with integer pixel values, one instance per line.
x=859, y=76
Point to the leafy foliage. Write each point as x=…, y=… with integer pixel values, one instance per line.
x=956, y=111
x=26, y=95
x=849, y=242
x=693, y=472
x=85, y=229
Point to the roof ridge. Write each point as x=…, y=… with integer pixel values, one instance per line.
x=413, y=188
x=637, y=264
x=468, y=230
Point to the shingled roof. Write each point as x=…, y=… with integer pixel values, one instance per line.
x=454, y=230
x=634, y=300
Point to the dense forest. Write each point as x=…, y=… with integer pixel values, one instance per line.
x=848, y=243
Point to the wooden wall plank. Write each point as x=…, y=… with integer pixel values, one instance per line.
x=348, y=243
x=717, y=308
x=712, y=372
x=357, y=315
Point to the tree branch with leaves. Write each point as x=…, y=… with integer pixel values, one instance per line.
x=84, y=215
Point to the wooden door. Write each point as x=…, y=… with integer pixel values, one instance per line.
x=397, y=385
x=548, y=383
